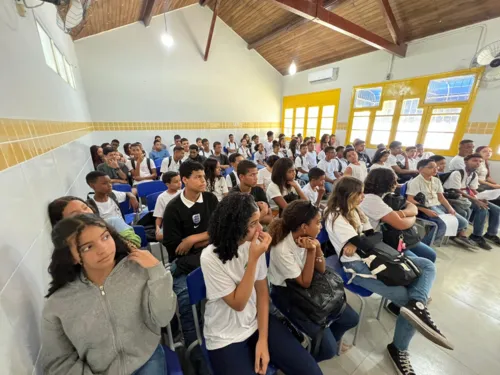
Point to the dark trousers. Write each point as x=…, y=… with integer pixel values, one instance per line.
x=285, y=352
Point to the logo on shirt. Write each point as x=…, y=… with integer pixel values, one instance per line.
x=196, y=219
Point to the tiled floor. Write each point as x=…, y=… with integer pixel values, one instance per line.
x=466, y=307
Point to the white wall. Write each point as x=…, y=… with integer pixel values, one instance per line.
x=130, y=76
x=29, y=89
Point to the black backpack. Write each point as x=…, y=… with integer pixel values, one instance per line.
x=233, y=179
x=391, y=235
x=452, y=193
x=148, y=160
x=443, y=177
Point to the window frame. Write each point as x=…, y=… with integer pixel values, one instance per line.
x=495, y=141
x=416, y=87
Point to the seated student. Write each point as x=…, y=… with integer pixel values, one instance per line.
x=158, y=138
x=323, y=143
x=260, y=154
x=315, y=189
x=173, y=182
x=398, y=161
x=268, y=144
x=205, y=150
x=106, y=200
x=185, y=146
x=264, y=174
x=216, y=184
x=232, y=178
x=255, y=141
x=104, y=298
x=435, y=203
x=199, y=143
x=467, y=184
x=379, y=183
x=194, y=154
x=330, y=165
x=185, y=224
x=283, y=148
x=411, y=152
x=247, y=173
x=117, y=171
x=345, y=222
x=142, y=169
x=177, y=142
x=126, y=151
x=293, y=149
x=440, y=163
x=172, y=163
x=360, y=147
x=69, y=206
x=295, y=255
x=231, y=145
x=158, y=152
x=312, y=155
x=244, y=150
x=356, y=168
x=277, y=151
x=421, y=153
x=219, y=156
x=342, y=162
x=302, y=163
x=486, y=182
x=380, y=160
x=465, y=148
x=283, y=189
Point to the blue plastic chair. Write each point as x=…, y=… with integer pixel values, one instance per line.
x=197, y=292
x=158, y=163
x=146, y=188
x=122, y=187
x=151, y=200
x=173, y=364
x=260, y=166
x=227, y=171
x=141, y=232
x=323, y=234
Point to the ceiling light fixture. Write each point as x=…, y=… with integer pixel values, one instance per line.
x=292, y=69
x=167, y=39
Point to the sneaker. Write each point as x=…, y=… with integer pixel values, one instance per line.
x=401, y=360
x=393, y=308
x=418, y=316
x=493, y=238
x=464, y=242
x=480, y=241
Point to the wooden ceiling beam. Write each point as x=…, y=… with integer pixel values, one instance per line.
x=317, y=13
x=147, y=13
x=211, y=32
x=390, y=20
x=276, y=33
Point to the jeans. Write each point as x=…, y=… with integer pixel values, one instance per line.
x=328, y=187
x=304, y=177
x=155, y=365
x=423, y=251
x=187, y=322
x=285, y=352
x=441, y=210
x=331, y=335
x=493, y=213
x=418, y=290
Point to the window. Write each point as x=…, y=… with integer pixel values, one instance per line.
x=409, y=122
x=447, y=90
x=442, y=127
x=47, y=48
x=312, y=121
x=69, y=72
x=288, y=126
x=60, y=62
x=360, y=125
x=495, y=141
x=383, y=123
x=327, y=115
x=368, y=97
x=300, y=114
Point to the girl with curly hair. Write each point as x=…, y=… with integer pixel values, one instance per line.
x=215, y=182
x=345, y=222
x=295, y=255
x=241, y=337
x=283, y=189
x=104, y=298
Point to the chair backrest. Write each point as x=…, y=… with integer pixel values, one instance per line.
x=260, y=166
x=125, y=207
x=122, y=187
x=141, y=232
x=227, y=171
x=158, y=163
x=402, y=189
x=146, y=188
x=323, y=234
x=197, y=290
x=151, y=199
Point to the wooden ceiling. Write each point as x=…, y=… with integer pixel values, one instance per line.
x=310, y=44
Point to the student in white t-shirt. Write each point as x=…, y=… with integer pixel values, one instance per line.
x=172, y=163
x=283, y=188
x=173, y=182
x=380, y=160
x=398, y=161
x=216, y=184
x=315, y=189
x=330, y=166
x=345, y=222
x=231, y=145
x=466, y=147
x=140, y=170
x=232, y=178
x=268, y=145
x=302, y=163
x=264, y=174
x=312, y=155
x=240, y=334
x=356, y=168
x=244, y=150
x=421, y=153
x=259, y=156
x=296, y=255
x=293, y=149
x=411, y=152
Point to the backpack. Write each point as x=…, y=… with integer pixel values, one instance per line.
x=148, y=160
x=91, y=202
x=445, y=176
x=452, y=193
x=233, y=179
x=392, y=236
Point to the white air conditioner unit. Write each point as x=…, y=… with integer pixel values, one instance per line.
x=325, y=75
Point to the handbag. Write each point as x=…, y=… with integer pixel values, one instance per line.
x=396, y=237
x=324, y=298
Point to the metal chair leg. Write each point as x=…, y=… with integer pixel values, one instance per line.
x=382, y=304
x=361, y=312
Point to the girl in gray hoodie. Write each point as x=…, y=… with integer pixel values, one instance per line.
x=106, y=303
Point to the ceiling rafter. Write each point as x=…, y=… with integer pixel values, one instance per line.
x=147, y=14
x=396, y=33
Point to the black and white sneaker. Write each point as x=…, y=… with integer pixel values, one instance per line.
x=401, y=360
x=393, y=309
x=481, y=242
x=418, y=316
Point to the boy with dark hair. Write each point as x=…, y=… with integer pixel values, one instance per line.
x=106, y=200
x=302, y=163
x=117, y=172
x=172, y=163
x=194, y=154
x=398, y=161
x=115, y=143
x=329, y=165
x=142, y=169
x=312, y=155
x=173, y=182
x=205, y=149
x=185, y=224
x=220, y=156
x=411, y=152
x=315, y=189
x=421, y=153
x=342, y=162
x=465, y=148
x=177, y=142
x=268, y=145
x=158, y=152
x=185, y=146
x=232, y=178
x=247, y=173
x=440, y=162
x=360, y=147
x=199, y=143
x=158, y=138
x=231, y=145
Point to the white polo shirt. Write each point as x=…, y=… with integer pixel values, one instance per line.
x=456, y=163
x=455, y=181
x=430, y=188
x=329, y=167
x=310, y=193
x=173, y=167
x=143, y=169
x=312, y=158
x=287, y=261
x=303, y=163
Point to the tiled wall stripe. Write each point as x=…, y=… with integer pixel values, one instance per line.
x=110, y=126
x=481, y=127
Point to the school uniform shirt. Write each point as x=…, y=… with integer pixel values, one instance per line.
x=482, y=171
x=229, y=181
x=412, y=164
x=290, y=154
x=245, y=152
x=341, y=231
x=359, y=171
x=430, y=189
x=321, y=155
x=375, y=209
x=173, y=167
x=183, y=218
x=143, y=169
x=310, y=193
x=220, y=188
x=264, y=177
x=393, y=160
x=312, y=158
x=223, y=325
x=383, y=166
x=186, y=156
x=206, y=154
x=287, y=261
x=457, y=163
x=110, y=208
x=425, y=155
x=162, y=201
x=273, y=191
x=329, y=167
x=259, y=156
x=268, y=147
x=302, y=162
x=231, y=145
x=280, y=154
x=343, y=164
x=455, y=181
